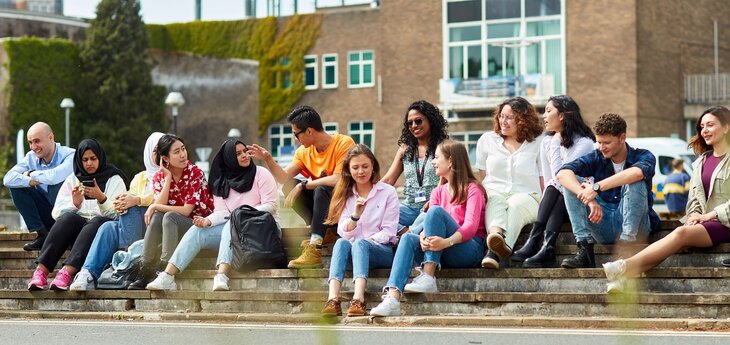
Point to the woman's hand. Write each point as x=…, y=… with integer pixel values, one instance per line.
x=77, y=195
x=694, y=218
x=425, y=242
x=293, y=195
x=164, y=167
x=201, y=222
x=437, y=243
x=94, y=192
x=359, y=206
x=124, y=201
x=148, y=214
x=425, y=206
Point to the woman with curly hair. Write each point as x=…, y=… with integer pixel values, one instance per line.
x=424, y=128
x=508, y=160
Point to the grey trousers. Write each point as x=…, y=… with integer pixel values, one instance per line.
x=164, y=229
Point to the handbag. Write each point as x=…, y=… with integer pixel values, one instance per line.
x=255, y=241
x=119, y=279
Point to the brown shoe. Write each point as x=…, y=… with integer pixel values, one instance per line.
x=357, y=308
x=333, y=307
x=311, y=258
x=497, y=244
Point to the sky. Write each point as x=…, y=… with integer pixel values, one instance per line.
x=165, y=11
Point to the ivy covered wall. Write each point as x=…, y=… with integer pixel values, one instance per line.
x=280, y=52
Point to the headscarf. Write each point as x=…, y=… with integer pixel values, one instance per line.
x=103, y=173
x=226, y=174
x=149, y=158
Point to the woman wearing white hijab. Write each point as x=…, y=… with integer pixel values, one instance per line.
x=128, y=228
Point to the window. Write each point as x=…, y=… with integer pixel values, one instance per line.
x=363, y=132
x=310, y=72
x=469, y=139
x=330, y=127
x=281, y=139
x=360, y=69
x=282, y=73
x=329, y=71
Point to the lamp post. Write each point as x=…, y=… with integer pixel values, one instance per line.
x=67, y=104
x=234, y=133
x=174, y=99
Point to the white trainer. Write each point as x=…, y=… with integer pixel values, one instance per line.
x=422, y=283
x=616, y=286
x=164, y=281
x=83, y=281
x=388, y=307
x=614, y=269
x=220, y=282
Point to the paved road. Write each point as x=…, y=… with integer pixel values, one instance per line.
x=136, y=332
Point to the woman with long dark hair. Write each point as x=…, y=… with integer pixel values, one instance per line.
x=568, y=138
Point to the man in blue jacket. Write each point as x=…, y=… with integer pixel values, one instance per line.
x=617, y=206
x=34, y=182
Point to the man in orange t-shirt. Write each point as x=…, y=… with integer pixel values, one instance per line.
x=319, y=159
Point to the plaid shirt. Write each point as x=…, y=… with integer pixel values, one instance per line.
x=594, y=164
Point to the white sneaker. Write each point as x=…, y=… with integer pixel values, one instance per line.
x=220, y=282
x=388, y=307
x=422, y=283
x=616, y=286
x=614, y=269
x=164, y=281
x=84, y=281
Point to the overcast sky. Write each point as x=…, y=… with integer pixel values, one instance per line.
x=165, y=11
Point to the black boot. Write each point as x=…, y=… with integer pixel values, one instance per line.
x=546, y=256
x=146, y=275
x=584, y=258
x=532, y=245
x=37, y=243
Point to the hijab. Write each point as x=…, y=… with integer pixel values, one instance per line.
x=103, y=173
x=149, y=158
x=226, y=174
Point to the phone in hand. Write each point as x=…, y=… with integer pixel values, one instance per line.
x=87, y=183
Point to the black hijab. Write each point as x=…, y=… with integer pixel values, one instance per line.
x=226, y=174
x=103, y=173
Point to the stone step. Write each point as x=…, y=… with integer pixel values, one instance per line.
x=643, y=305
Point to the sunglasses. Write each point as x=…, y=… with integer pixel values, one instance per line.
x=296, y=135
x=417, y=122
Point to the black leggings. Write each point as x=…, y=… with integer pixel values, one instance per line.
x=70, y=228
x=312, y=205
x=552, y=212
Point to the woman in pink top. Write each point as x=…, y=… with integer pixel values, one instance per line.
x=453, y=230
x=234, y=181
x=366, y=213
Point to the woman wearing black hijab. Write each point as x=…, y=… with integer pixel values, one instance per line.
x=234, y=181
x=85, y=201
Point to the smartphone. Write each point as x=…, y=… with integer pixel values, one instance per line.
x=88, y=183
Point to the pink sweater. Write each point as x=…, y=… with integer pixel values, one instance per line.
x=469, y=215
x=263, y=196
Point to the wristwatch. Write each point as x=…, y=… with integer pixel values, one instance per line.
x=304, y=184
x=596, y=187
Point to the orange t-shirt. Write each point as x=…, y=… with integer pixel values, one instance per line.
x=316, y=165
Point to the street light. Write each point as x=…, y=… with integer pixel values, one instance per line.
x=234, y=133
x=67, y=104
x=174, y=99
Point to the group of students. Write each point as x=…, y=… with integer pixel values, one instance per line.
x=448, y=217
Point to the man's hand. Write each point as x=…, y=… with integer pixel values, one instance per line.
x=258, y=152
x=596, y=213
x=587, y=194
x=293, y=195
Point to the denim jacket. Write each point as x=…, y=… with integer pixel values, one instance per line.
x=719, y=200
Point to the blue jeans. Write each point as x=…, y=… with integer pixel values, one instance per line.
x=113, y=235
x=197, y=239
x=35, y=205
x=407, y=216
x=365, y=254
x=627, y=220
x=438, y=222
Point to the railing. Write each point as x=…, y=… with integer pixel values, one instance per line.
x=706, y=88
x=488, y=92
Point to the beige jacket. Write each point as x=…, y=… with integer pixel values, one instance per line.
x=719, y=200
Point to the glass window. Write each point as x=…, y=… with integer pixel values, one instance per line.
x=463, y=11
x=535, y=8
x=494, y=61
x=469, y=139
x=456, y=58
x=469, y=33
x=554, y=65
x=474, y=67
x=280, y=136
x=503, y=30
x=286, y=79
x=361, y=69
x=331, y=127
x=363, y=132
x=543, y=28
x=310, y=72
x=329, y=71
x=500, y=9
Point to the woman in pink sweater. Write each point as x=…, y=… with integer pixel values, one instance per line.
x=453, y=230
x=366, y=213
x=234, y=181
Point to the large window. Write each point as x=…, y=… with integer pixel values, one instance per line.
x=310, y=72
x=506, y=40
x=469, y=139
x=360, y=68
x=329, y=71
x=281, y=138
x=363, y=132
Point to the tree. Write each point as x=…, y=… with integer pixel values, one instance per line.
x=118, y=94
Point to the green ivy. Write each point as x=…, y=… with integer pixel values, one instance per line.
x=255, y=39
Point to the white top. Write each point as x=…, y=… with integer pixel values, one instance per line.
x=89, y=208
x=555, y=155
x=517, y=172
x=618, y=167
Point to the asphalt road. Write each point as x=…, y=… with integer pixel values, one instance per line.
x=59, y=332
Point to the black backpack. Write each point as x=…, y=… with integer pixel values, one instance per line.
x=255, y=240
x=112, y=279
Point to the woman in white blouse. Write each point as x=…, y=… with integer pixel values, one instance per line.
x=508, y=160
x=568, y=138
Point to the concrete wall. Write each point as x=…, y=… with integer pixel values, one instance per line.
x=220, y=94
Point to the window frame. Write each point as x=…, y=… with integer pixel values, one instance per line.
x=362, y=132
x=326, y=64
x=315, y=66
x=361, y=65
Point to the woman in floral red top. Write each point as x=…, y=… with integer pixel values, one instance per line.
x=181, y=192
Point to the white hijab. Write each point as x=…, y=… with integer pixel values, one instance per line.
x=149, y=162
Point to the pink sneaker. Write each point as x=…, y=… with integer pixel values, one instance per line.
x=62, y=281
x=39, y=281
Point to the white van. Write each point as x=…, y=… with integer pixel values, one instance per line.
x=665, y=150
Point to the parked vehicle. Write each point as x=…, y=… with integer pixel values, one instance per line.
x=665, y=150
